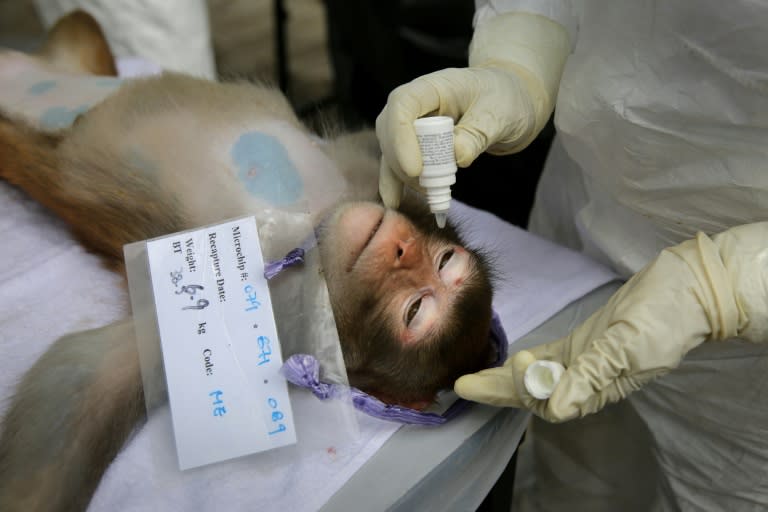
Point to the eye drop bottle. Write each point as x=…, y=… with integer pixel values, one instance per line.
x=435, y=136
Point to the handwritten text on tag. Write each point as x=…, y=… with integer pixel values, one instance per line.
x=219, y=342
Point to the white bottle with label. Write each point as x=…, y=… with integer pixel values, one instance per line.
x=435, y=136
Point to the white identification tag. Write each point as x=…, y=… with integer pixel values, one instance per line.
x=219, y=342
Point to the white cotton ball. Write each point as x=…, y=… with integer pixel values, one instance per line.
x=541, y=377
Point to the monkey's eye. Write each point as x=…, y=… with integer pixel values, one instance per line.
x=444, y=259
x=412, y=311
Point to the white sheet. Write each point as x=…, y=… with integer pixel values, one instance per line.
x=49, y=286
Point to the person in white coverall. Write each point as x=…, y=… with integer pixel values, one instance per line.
x=660, y=169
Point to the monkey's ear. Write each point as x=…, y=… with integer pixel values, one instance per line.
x=77, y=44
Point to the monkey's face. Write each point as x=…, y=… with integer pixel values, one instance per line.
x=412, y=304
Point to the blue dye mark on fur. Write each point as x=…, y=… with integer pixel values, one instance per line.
x=264, y=167
x=41, y=88
x=61, y=117
x=137, y=160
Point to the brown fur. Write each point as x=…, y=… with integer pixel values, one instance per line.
x=76, y=44
x=53, y=457
x=31, y=160
x=412, y=374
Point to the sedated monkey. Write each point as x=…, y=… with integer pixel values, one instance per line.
x=412, y=303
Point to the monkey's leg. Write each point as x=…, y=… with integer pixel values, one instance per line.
x=70, y=415
x=105, y=204
x=77, y=44
x=29, y=159
x=27, y=156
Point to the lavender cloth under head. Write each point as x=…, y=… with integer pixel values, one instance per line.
x=303, y=370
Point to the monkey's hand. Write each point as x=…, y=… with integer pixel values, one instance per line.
x=500, y=102
x=703, y=289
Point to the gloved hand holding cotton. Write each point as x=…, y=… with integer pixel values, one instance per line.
x=704, y=289
x=500, y=102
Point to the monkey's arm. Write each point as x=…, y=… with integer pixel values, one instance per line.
x=104, y=203
x=70, y=415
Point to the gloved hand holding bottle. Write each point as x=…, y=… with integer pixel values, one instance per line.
x=500, y=102
x=704, y=289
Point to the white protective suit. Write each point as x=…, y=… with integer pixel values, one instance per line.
x=662, y=131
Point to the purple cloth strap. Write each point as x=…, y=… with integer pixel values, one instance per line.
x=273, y=268
x=304, y=370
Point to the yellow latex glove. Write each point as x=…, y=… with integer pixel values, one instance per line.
x=500, y=102
x=703, y=289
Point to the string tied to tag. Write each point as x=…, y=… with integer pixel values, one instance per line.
x=293, y=258
x=303, y=370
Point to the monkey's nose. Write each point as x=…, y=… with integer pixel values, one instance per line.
x=405, y=252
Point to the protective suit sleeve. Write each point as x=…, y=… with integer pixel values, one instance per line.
x=704, y=289
x=562, y=12
x=499, y=103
